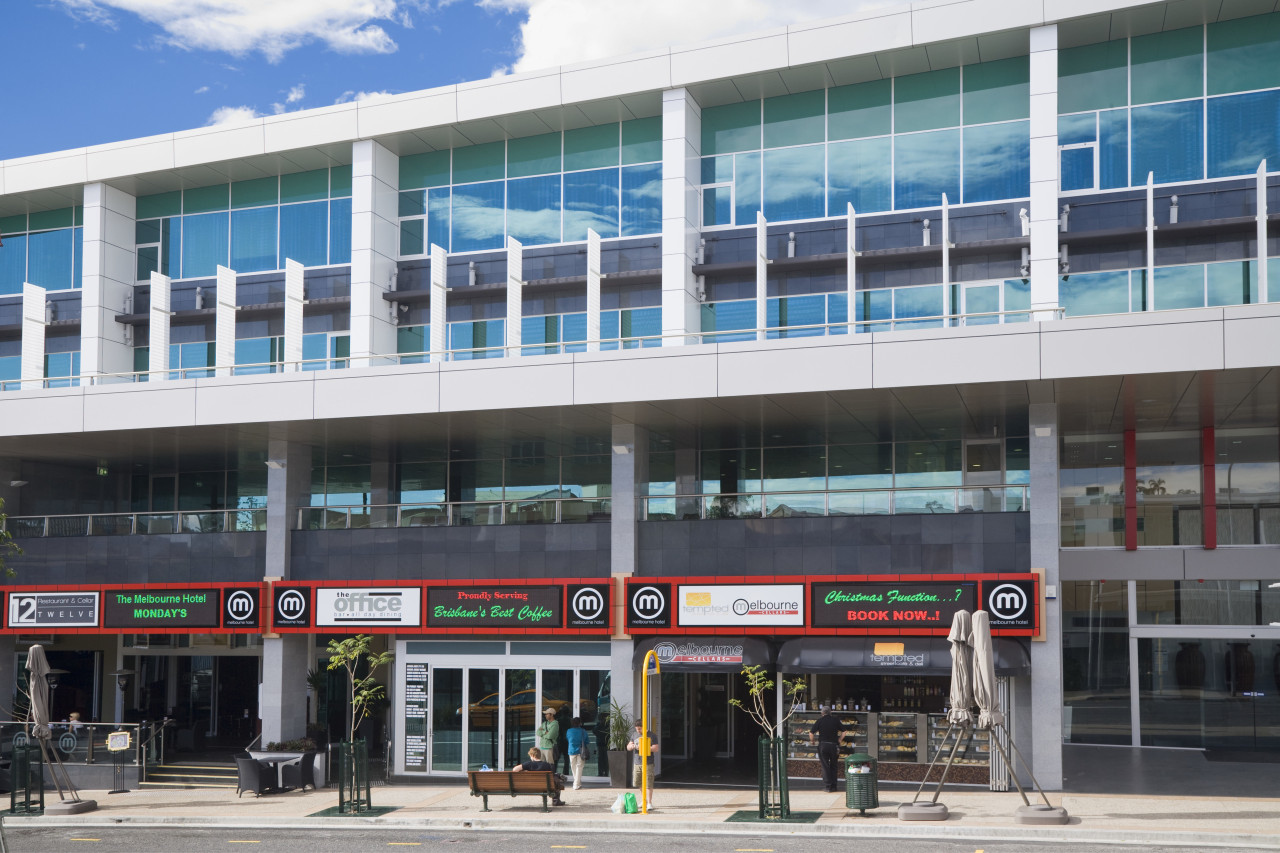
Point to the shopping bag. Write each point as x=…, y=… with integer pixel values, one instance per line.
x=629, y=803
x=618, y=804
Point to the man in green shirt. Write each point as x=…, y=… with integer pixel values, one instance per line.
x=548, y=735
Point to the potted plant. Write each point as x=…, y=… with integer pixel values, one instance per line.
x=775, y=798
x=355, y=656
x=620, y=724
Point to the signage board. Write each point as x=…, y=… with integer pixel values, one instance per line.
x=291, y=607
x=240, y=608
x=694, y=651
x=52, y=610
x=649, y=605
x=495, y=606
x=890, y=604
x=587, y=606
x=369, y=607
x=1011, y=604
x=142, y=609
x=731, y=605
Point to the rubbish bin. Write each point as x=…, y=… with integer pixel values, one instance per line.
x=860, y=782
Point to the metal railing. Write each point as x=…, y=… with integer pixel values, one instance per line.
x=130, y=523
x=455, y=514
x=83, y=743
x=913, y=501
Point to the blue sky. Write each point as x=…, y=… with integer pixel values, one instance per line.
x=85, y=72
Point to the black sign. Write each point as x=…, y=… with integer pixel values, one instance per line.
x=144, y=609
x=875, y=604
x=649, y=605
x=240, y=608
x=588, y=606
x=414, y=716
x=494, y=607
x=291, y=607
x=1010, y=604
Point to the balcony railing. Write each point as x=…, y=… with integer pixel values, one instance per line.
x=86, y=743
x=130, y=523
x=455, y=514
x=924, y=501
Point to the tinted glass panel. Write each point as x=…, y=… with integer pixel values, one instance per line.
x=1179, y=287
x=438, y=203
x=997, y=161
x=255, y=193
x=1077, y=168
x=795, y=119
x=49, y=259
x=304, y=233
x=1168, y=140
x=641, y=199
x=253, y=239
x=412, y=203
x=478, y=216
x=591, y=201
x=733, y=127
x=13, y=263
x=591, y=147
x=339, y=182
x=1113, y=149
x=746, y=199
x=1168, y=66
x=479, y=162
x=204, y=244
x=1093, y=77
x=863, y=109
x=424, y=170
x=160, y=204
x=1077, y=128
x=926, y=165
x=1232, y=283
x=1242, y=54
x=204, y=199
x=1094, y=293
x=642, y=140
x=997, y=91
x=926, y=101
x=412, y=237
x=793, y=183
x=533, y=155
x=304, y=186
x=1243, y=131
x=533, y=209
x=859, y=173
x=340, y=231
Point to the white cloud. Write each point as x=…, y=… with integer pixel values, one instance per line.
x=297, y=93
x=232, y=115
x=349, y=95
x=252, y=26
x=562, y=32
x=201, y=90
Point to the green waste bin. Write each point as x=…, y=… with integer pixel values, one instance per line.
x=860, y=782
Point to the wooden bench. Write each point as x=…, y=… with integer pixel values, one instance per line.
x=535, y=783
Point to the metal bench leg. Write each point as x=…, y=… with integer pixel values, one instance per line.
x=485, y=798
x=544, y=803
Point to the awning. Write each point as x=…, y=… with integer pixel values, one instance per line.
x=920, y=656
x=705, y=654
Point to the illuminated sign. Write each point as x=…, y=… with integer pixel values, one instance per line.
x=495, y=607
x=375, y=606
x=875, y=604
x=649, y=605
x=728, y=605
x=53, y=610
x=162, y=608
x=588, y=606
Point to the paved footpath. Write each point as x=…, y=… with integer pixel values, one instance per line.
x=1198, y=823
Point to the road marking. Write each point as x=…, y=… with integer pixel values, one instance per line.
x=233, y=841
x=568, y=847
x=85, y=839
x=764, y=850
x=404, y=843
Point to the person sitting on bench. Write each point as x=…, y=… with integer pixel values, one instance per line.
x=535, y=762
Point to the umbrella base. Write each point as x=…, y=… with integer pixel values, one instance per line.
x=70, y=807
x=922, y=811
x=1040, y=815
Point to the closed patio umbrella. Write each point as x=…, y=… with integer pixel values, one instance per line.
x=984, y=673
x=961, y=696
x=38, y=688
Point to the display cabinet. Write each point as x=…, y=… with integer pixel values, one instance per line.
x=857, y=740
x=897, y=737
x=974, y=748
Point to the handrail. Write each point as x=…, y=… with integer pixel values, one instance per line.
x=131, y=523
x=914, y=500
x=455, y=513
x=84, y=749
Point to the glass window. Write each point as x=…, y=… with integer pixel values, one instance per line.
x=1232, y=283
x=997, y=91
x=253, y=239
x=730, y=471
x=424, y=170
x=722, y=316
x=412, y=339
x=860, y=466
x=1169, y=489
x=798, y=119
x=1241, y=54
x=997, y=160
x=642, y=140
x=304, y=233
x=924, y=301
x=479, y=162
x=641, y=199
x=49, y=262
x=1090, y=491
x=533, y=155
x=730, y=128
x=789, y=312
x=795, y=469
x=529, y=477
x=478, y=216
x=1113, y=149
x=533, y=209
x=1073, y=130
x=591, y=201
x=1093, y=77
x=1243, y=131
x=1179, y=287
x=339, y=182
x=1199, y=602
x=717, y=170
x=160, y=204
x=926, y=165
x=927, y=463
x=1247, y=478
x=1095, y=662
x=860, y=110
x=62, y=365
x=717, y=206
x=412, y=203
x=746, y=187
x=423, y=482
x=261, y=354
x=591, y=147
x=255, y=193
x=205, y=199
x=204, y=244
x=860, y=173
x=1017, y=460
x=1077, y=168
x=47, y=220
x=872, y=306
x=13, y=263
x=926, y=101
x=148, y=261
x=412, y=236
x=304, y=186
x=340, y=231
x=1168, y=140
x=1167, y=66
x=347, y=485
x=793, y=183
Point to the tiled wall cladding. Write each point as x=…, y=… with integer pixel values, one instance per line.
x=995, y=542
x=157, y=558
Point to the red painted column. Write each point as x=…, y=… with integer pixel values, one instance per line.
x=1130, y=490
x=1209, y=487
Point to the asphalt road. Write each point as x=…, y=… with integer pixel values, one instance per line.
x=173, y=840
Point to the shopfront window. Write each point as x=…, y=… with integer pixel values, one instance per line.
x=1168, y=484
x=1090, y=491
x=1206, y=602
x=1247, y=478
x=1095, y=662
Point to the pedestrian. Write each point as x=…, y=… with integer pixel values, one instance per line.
x=579, y=750
x=829, y=731
x=642, y=770
x=548, y=735
x=536, y=762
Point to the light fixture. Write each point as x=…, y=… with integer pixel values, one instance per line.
x=54, y=677
x=122, y=677
x=275, y=464
x=17, y=484
x=622, y=449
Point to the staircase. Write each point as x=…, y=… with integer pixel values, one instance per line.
x=192, y=774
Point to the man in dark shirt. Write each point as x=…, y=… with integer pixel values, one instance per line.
x=535, y=762
x=829, y=730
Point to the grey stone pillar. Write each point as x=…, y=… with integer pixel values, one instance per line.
x=630, y=465
x=284, y=687
x=1044, y=745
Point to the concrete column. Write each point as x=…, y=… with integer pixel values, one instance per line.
x=283, y=709
x=109, y=272
x=375, y=245
x=1044, y=171
x=681, y=221
x=10, y=472
x=1043, y=746
x=630, y=462
x=294, y=295
x=288, y=485
x=33, y=331
x=224, y=336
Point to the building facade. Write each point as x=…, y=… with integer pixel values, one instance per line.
x=770, y=351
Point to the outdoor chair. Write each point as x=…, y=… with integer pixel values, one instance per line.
x=300, y=774
x=252, y=775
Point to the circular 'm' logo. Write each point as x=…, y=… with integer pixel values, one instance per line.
x=67, y=743
x=666, y=652
x=741, y=607
x=240, y=605
x=588, y=604
x=20, y=740
x=291, y=605
x=1007, y=601
x=648, y=602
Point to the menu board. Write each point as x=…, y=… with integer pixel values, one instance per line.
x=890, y=604
x=495, y=607
x=415, y=716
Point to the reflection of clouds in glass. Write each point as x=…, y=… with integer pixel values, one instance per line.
x=793, y=183
x=996, y=161
x=926, y=165
x=1242, y=131
x=534, y=226
x=1167, y=140
x=641, y=199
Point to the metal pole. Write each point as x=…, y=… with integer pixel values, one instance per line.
x=642, y=748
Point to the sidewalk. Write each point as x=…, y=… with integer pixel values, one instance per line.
x=981, y=815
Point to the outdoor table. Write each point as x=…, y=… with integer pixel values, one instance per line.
x=277, y=760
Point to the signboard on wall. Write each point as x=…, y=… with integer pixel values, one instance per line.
x=890, y=604
x=729, y=605
x=1010, y=604
x=241, y=608
x=142, y=609
x=495, y=606
x=649, y=605
x=587, y=606
x=369, y=607
x=291, y=607
x=31, y=610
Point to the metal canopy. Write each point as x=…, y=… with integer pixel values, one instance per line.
x=921, y=656
x=705, y=654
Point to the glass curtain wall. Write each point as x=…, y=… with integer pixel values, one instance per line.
x=45, y=248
